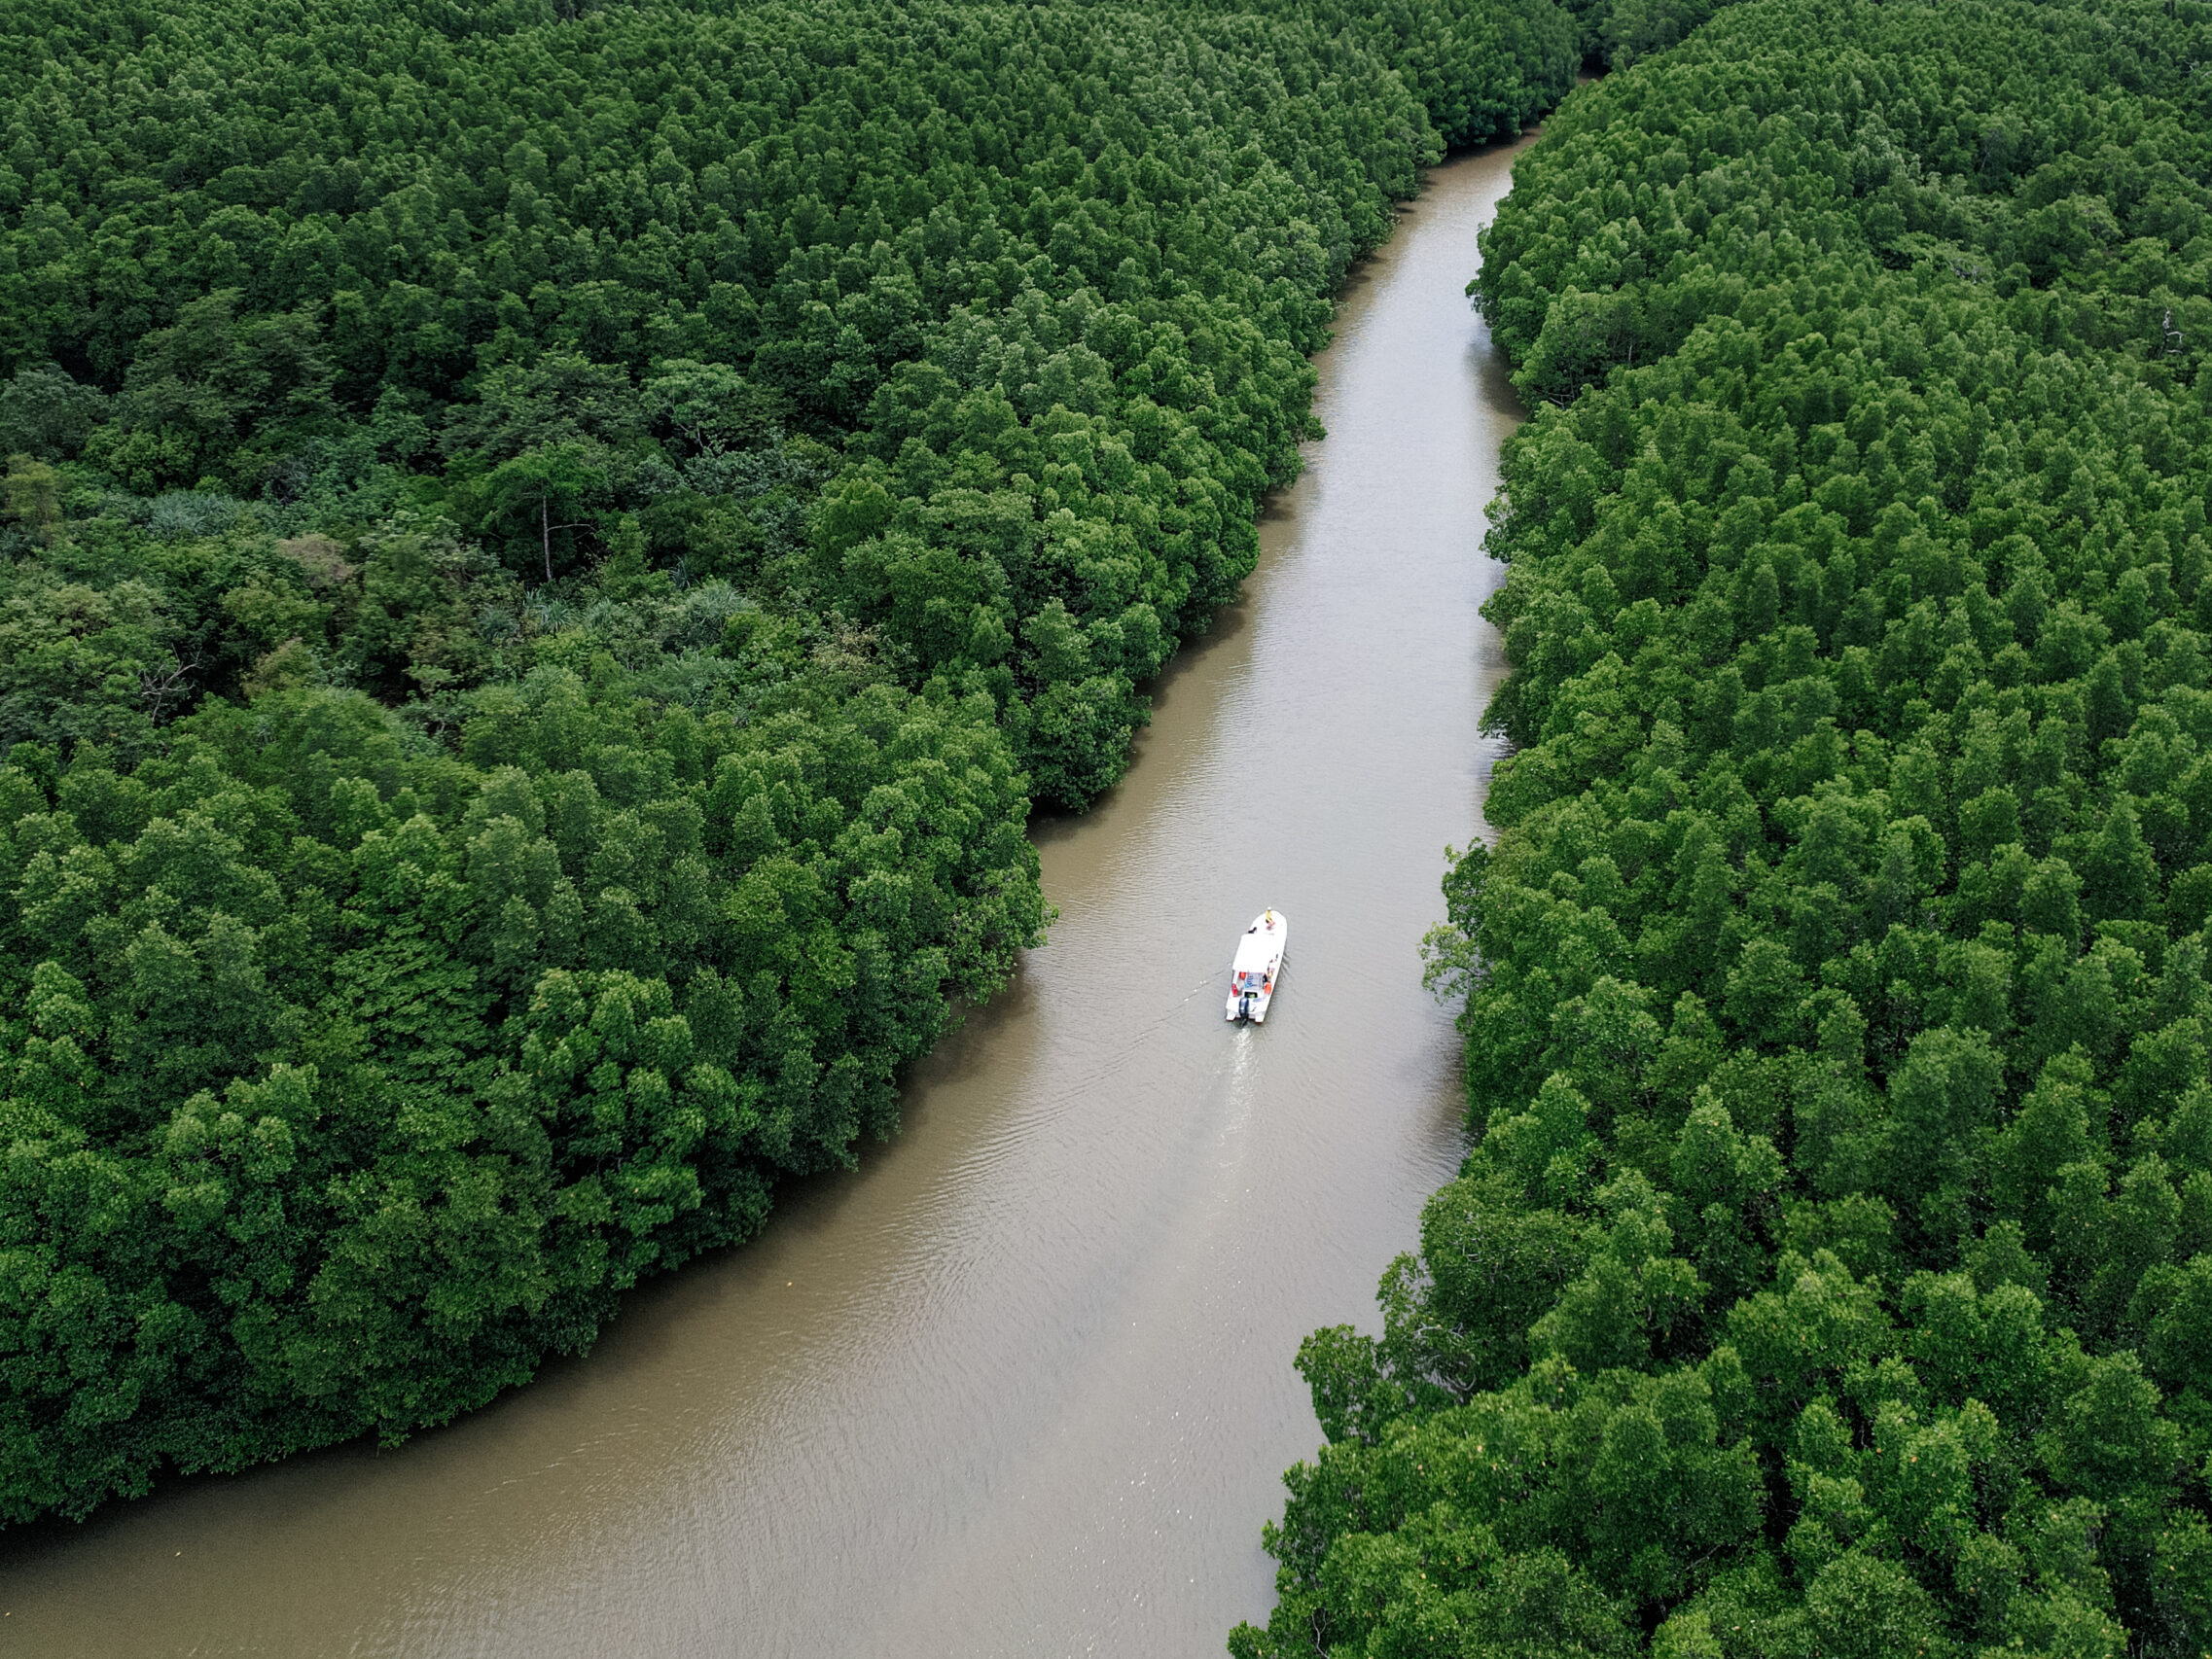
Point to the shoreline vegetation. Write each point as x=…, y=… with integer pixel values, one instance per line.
x=1832, y=1271
x=549, y=552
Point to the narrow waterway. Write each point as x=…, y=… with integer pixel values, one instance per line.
x=1022, y=1385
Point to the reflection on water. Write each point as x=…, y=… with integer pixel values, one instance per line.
x=1022, y=1384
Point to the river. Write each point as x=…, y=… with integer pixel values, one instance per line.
x=1021, y=1385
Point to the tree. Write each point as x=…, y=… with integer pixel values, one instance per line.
x=709, y=407
x=34, y=497
x=562, y=400
x=47, y=414
x=544, y=483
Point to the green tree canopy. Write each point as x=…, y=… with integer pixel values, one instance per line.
x=1826, y=1274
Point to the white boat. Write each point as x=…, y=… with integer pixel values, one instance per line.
x=1259, y=967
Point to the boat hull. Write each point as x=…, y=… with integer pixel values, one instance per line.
x=1258, y=971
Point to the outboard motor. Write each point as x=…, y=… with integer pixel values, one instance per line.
x=1244, y=1006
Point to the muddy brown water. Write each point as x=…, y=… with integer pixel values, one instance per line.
x=1021, y=1385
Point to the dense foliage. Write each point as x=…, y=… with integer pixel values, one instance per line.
x=1060, y=266
x=1832, y=1273
x=547, y=553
